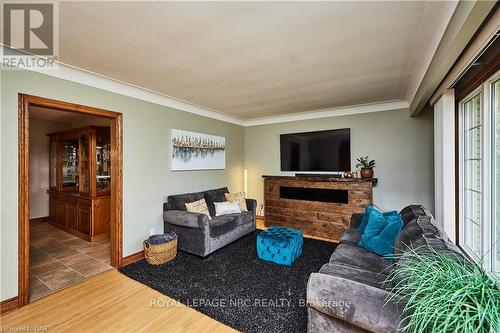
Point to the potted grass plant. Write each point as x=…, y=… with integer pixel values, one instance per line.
x=444, y=293
x=366, y=166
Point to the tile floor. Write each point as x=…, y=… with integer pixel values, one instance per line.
x=59, y=259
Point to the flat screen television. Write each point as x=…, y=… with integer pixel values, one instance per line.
x=316, y=151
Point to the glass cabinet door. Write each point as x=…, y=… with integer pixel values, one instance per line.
x=103, y=160
x=69, y=161
x=53, y=164
x=85, y=161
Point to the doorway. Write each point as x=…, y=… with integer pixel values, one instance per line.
x=82, y=244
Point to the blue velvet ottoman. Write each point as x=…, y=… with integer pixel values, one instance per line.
x=280, y=245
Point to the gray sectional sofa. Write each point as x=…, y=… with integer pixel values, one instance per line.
x=198, y=235
x=348, y=295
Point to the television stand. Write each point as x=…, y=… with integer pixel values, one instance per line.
x=315, y=204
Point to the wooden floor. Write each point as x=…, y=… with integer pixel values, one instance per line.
x=108, y=302
x=261, y=224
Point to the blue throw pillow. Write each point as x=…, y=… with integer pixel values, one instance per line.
x=383, y=243
x=368, y=210
x=377, y=221
x=364, y=220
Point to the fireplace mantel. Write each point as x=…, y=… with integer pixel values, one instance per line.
x=319, y=206
x=320, y=178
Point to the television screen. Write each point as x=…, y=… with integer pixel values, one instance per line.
x=316, y=151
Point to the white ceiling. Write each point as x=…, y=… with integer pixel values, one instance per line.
x=258, y=59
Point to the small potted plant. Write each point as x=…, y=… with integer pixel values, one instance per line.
x=366, y=167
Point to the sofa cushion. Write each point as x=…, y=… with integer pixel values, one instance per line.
x=429, y=227
x=223, y=224
x=354, y=273
x=351, y=236
x=178, y=202
x=227, y=207
x=356, y=219
x=366, y=306
x=212, y=196
x=370, y=211
x=186, y=219
x=428, y=244
x=251, y=205
x=425, y=242
x=423, y=235
x=238, y=196
x=383, y=243
x=413, y=230
x=411, y=212
x=356, y=256
x=199, y=206
x=377, y=222
x=364, y=220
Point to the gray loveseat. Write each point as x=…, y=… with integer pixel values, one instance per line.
x=199, y=235
x=348, y=295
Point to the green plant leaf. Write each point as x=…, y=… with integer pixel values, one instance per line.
x=443, y=292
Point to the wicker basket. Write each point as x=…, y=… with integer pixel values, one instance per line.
x=160, y=253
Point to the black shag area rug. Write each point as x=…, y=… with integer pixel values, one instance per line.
x=235, y=287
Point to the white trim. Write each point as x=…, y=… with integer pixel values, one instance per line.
x=487, y=177
x=444, y=163
x=490, y=169
x=74, y=74
x=95, y=80
x=331, y=112
x=494, y=195
x=460, y=173
x=478, y=90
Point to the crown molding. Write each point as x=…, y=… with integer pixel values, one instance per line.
x=331, y=112
x=95, y=80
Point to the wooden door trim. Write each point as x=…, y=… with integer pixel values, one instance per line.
x=116, y=191
x=23, y=202
x=24, y=102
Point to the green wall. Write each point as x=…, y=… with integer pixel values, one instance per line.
x=402, y=147
x=147, y=178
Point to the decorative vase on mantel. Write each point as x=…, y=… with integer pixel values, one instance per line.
x=366, y=172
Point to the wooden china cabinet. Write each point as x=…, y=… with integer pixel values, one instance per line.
x=80, y=182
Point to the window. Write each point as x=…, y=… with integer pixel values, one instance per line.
x=480, y=174
x=472, y=175
x=496, y=163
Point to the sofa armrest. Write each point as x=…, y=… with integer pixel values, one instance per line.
x=186, y=219
x=359, y=304
x=356, y=220
x=251, y=205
